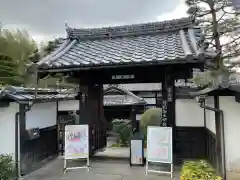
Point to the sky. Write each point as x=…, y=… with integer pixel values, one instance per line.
x=45, y=19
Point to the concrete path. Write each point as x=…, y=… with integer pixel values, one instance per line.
x=103, y=170
x=111, y=140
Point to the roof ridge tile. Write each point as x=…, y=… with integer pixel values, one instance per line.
x=133, y=29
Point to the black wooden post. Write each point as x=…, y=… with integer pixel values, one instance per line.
x=168, y=95
x=219, y=139
x=133, y=119
x=168, y=103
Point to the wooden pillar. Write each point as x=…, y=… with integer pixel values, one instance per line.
x=168, y=95
x=219, y=140
x=133, y=119
x=168, y=103
x=92, y=113
x=83, y=96
x=102, y=120
x=20, y=151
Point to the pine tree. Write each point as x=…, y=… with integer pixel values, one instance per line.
x=220, y=22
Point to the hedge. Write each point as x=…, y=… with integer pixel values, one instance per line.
x=6, y=167
x=198, y=170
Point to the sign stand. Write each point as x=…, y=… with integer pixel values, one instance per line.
x=76, y=145
x=137, y=150
x=159, y=148
x=81, y=167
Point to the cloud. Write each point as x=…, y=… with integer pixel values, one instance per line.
x=179, y=11
x=47, y=17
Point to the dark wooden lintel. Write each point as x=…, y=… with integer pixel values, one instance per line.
x=149, y=74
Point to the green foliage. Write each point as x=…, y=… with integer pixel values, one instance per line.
x=8, y=73
x=124, y=131
x=213, y=78
x=51, y=46
x=17, y=46
x=6, y=167
x=198, y=170
x=115, y=145
x=151, y=117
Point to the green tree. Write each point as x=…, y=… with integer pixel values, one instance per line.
x=8, y=73
x=220, y=21
x=123, y=129
x=52, y=45
x=151, y=117
x=17, y=45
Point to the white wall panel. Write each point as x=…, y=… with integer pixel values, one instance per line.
x=210, y=115
x=7, y=129
x=41, y=115
x=188, y=113
x=69, y=105
x=231, y=111
x=150, y=100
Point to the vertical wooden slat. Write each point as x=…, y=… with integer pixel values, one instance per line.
x=211, y=147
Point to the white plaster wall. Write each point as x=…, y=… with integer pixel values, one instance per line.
x=69, y=105
x=7, y=129
x=41, y=115
x=188, y=113
x=138, y=117
x=210, y=115
x=150, y=100
x=231, y=111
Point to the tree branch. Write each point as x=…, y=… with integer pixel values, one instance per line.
x=231, y=42
x=233, y=13
x=221, y=17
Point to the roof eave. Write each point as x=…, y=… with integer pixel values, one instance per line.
x=112, y=66
x=38, y=100
x=124, y=104
x=204, y=91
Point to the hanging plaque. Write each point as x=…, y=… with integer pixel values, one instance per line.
x=164, y=113
x=169, y=94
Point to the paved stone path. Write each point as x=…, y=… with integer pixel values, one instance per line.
x=103, y=170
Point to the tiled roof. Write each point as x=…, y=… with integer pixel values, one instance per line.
x=142, y=86
x=175, y=41
x=118, y=100
x=28, y=94
x=119, y=96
